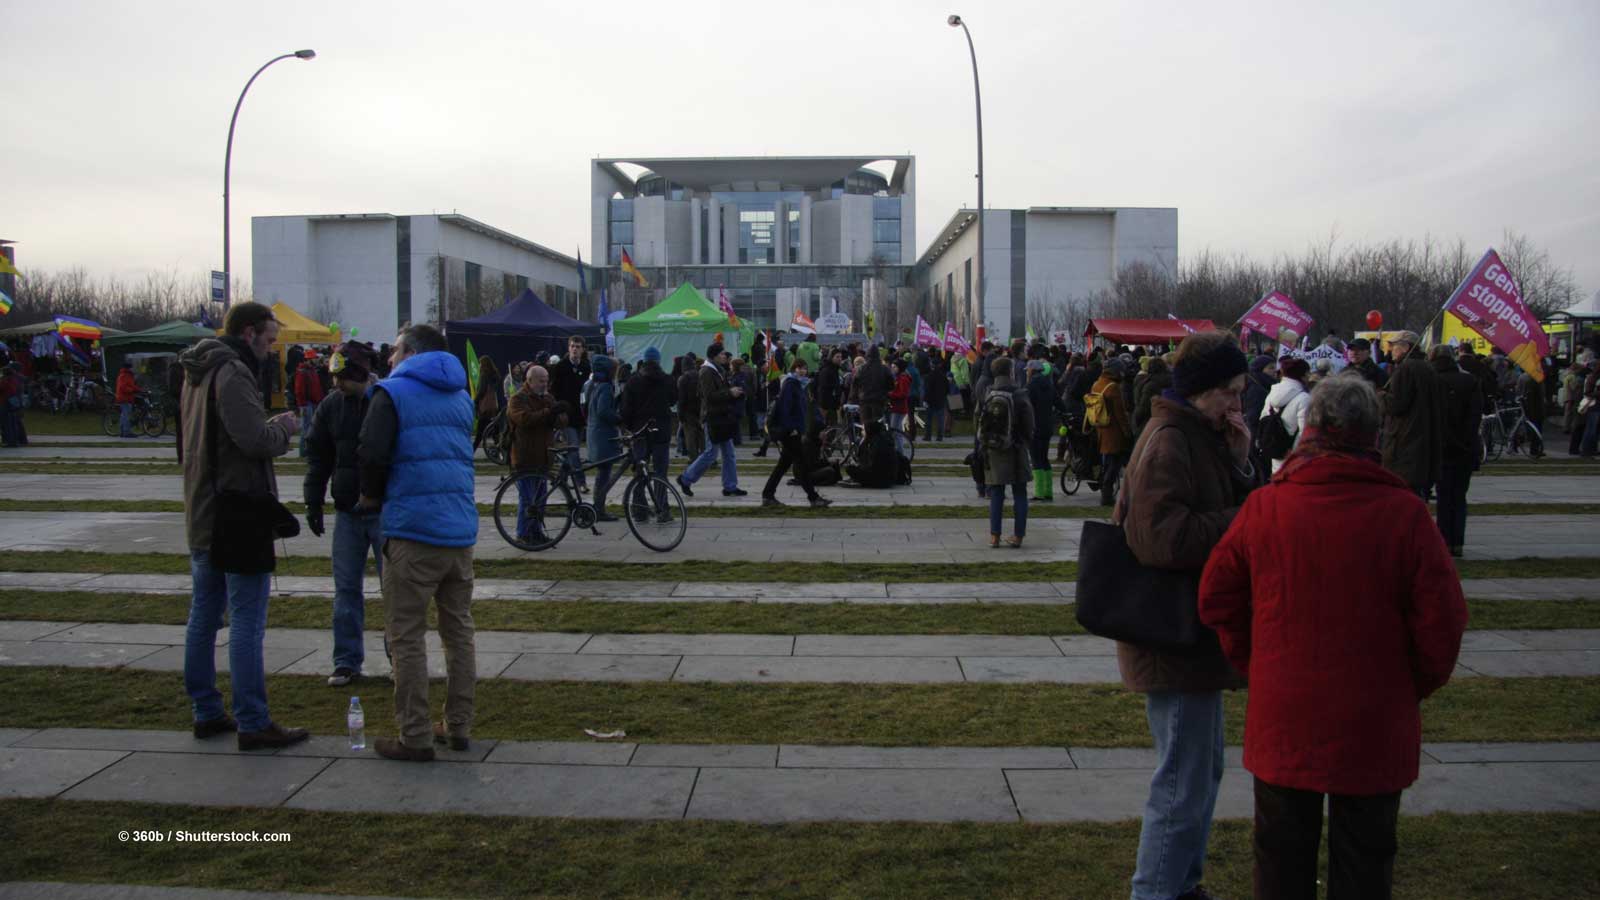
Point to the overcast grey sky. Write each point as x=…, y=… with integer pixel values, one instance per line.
x=1268, y=124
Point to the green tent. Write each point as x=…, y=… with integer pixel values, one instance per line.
x=168, y=337
x=684, y=322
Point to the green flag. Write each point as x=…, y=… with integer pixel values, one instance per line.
x=472, y=381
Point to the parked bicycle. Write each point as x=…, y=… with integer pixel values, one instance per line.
x=147, y=415
x=1509, y=428
x=652, y=506
x=496, y=440
x=841, y=444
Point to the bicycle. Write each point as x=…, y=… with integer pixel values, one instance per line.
x=841, y=444
x=1080, y=464
x=651, y=505
x=495, y=448
x=147, y=415
x=1497, y=438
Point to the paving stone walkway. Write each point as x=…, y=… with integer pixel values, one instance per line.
x=756, y=539
x=749, y=783
x=857, y=593
x=727, y=658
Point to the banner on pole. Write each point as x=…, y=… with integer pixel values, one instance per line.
x=1490, y=303
x=1279, y=317
x=926, y=336
x=954, y=341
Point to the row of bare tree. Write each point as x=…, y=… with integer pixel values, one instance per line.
x=1407, y=281
x=116, y=303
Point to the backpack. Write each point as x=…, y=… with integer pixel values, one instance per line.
x=902, y=469
x=1272, y=436
x=996, y=424
x=1096, y=414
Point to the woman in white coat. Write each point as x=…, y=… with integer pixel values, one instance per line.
x=1289, y=398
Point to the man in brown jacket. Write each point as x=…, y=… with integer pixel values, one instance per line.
x=228, y=445
x=1413, y=410
x=535, y=415
x=1117, y=437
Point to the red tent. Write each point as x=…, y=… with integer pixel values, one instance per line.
x=1146, y=331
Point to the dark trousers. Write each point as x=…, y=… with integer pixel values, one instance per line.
x=1361, y=844
x=1454, y=478
x=788, y=455
x=1110, y=471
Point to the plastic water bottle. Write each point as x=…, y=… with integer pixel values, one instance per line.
x=357, y=721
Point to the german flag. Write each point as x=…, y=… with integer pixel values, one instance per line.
x=628, y=268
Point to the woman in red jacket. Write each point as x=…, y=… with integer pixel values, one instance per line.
x=1336, y=675
x=899, y=396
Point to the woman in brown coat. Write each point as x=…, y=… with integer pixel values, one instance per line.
x=1188, y=477
x=1117, y=437
x=487, y=402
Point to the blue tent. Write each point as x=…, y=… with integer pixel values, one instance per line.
x=524, y=329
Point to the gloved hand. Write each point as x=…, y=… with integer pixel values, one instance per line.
x=314, y=520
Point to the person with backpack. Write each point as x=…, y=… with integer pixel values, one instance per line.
x=1284, y=414
x=879, y=460
x=786, y=422
x=1005, y=428
x=1107, y=413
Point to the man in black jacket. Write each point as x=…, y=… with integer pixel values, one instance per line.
x=1361, y=362
x=694, y=435
x=827, y=385
x=647, y=399
x=331, y=446
x=717, y=397
x=872, y=386
x=567, y=379
x=1460, y=449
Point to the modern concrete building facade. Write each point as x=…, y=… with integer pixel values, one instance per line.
x=776, y=234
x=1041, y=256
x=377, y=271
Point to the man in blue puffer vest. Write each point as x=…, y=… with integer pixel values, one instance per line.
x=416, y=463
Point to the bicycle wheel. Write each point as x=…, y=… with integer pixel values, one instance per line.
x=111, y=422
x=1493, y=442
x=152, y=421
x=1069, y=474
x=544, y=526
x=835, y=445
x=655, y=513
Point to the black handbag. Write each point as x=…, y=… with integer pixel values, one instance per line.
x=1120, y=598
x=246, y=522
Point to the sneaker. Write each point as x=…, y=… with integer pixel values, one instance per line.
x=273, y=736
x=820, y=502
x=342, y=676
x=684, y=486
x=212, y=727
x=664, y=519
x=735, y=492
x=457, y=742
x=391, y=748
x=771, y=501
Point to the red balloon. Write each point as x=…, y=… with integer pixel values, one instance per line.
x=1374, y=320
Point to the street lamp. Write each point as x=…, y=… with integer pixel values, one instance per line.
x=955, y=22
x=227, y=171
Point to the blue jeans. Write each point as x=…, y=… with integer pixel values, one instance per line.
x=997, y=502
x=245, y=598
x=602, y=485
x=1591, y=432
x=572, y=457
x=127, y=419
x=532, y=492
x=1187, y=728
x=306, y=412
x=353, y=535
x=730, y=464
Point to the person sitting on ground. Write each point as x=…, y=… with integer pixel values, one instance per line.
x=876, y=468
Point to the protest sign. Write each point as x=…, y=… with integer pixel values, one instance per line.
x=1277, y=316
x=1490, y=303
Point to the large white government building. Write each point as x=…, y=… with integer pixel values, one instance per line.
x=776, y=235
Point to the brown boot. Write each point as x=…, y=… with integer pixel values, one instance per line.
x=273, y=737
x=391, y=748
x=457, y=742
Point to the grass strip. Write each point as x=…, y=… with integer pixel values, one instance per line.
x=1475, y=857
x=954, y=715
x=597, y=617
x=533, y=567
x=795, y=511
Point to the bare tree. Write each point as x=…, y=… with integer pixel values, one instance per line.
x=1545, y=286
x=327, y=309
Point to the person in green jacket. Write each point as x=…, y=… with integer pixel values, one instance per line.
x=961, y=374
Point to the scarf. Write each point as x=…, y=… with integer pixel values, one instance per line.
x=1319, y=442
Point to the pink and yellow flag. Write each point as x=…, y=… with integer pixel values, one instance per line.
x=1490, y=303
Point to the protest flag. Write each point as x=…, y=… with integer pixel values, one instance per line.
x=1490, y=303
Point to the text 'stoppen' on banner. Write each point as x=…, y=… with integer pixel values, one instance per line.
x=926, y=336
x=1490, y=303
x=1278, y=316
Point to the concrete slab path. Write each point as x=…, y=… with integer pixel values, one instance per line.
x=857, y=593
x=730, y=658
x=778, y=540
x=721, y=782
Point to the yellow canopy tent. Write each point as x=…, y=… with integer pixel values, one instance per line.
x=294, y=328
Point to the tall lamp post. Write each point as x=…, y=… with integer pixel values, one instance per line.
x=227, y=173
x=955, y=22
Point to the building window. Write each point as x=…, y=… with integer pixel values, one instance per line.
x=757, y=222
x=474, y=278
x=794, y=236
x=886, y=229
x=619, y=230
x=522, y=284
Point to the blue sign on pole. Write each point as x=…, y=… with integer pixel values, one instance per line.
x=219, y=286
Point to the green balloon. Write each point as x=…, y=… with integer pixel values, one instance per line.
x=333, y=326
x=354, y=331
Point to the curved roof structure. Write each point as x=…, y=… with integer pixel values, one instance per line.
x=802, y=172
